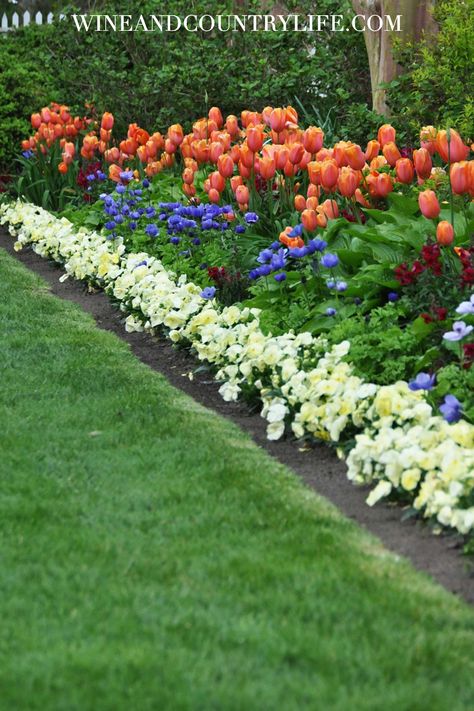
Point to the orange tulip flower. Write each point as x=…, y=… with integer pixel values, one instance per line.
x=386, y=134
x=217, y=181
x=444, y=233
x=313, y=139
x=114, y=172
x=330, y=209
x=176, y=134
x=309, y=220
x=107, y=121
x=235, y=181
x=278, y=120
x=391, y=153
x=313, y=191
x=378, y=162
x=300, y=203
x=189, y=189
x=242, y=194
x=404, y=170
x=372, y=150
x=423, y=162
x=348, y=181
x=62, y=167
x=359, y=196
x=329, y=174
x=312, y=202
x=216, y=116
x=267, y=168
x=36, y=121
x=355, y=156
x=429, y=204
x=225, y=165
x=281, y=157
x=232, y=125
x=216, y=149
x=170, y=146
x=428, y=138
x=459, y=177
x=453, y=150
x=188, y=176
x=254, y=139
x=214, y=195
x=296, y=153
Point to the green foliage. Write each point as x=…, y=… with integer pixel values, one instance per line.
x=161, y=78
x=24, y=87
x=457, y=381
x=437, y=86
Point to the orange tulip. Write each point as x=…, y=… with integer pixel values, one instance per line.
x=216, y=149
x=285, y=238
x=225, y=165
x=330, y=209
x=216, y=116
x=313, y=139
x=340, y=153
x=281, y=157
x=170, y=146
x=386, y=134
x=453, y=150
x=359, y=196
x=235, y=181
x=312, y=202
x=325, y=154
x=35, y=121
x=188, y=176
x=391, y=153
x=314, y=172
x=189, y=189
x=214, y=195
x=300, y=203
x=459, y=177
x=232, y=125
x=423, y=162
x=308, y=219
x=313, y=191
x=429, y=204
x=296, y=153
x=62, y=167
x=372, y=150
x=348, y=181
x=321, y=218
x=428, y=138
x=243, y=170
x=355, y=156
x=112, y=155
x=267, y=168
x=278, y=120
x=242, y=194
x=254, y=139
x=378, y=162
x=404, y=170
x=329, y=174
x=384, y=185
x=176, y=135
x=292, y=115
x=114, y=172
x=444, y=233
x=217, y=181
x=107, y=122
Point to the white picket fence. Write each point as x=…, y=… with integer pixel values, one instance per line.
x=22, y=20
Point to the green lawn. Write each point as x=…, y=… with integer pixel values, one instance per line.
x=152, y=557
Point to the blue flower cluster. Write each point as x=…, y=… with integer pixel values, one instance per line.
x=96, y=175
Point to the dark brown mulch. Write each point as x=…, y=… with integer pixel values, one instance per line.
x=439, y=556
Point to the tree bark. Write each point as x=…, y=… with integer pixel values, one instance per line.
x=416, y=19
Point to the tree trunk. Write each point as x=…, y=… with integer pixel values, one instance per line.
x=416, y=18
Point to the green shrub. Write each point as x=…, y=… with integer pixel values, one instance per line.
x=437, y=86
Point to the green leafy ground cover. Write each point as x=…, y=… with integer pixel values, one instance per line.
x=141, y=571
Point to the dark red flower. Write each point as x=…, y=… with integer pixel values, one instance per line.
x=427, y=318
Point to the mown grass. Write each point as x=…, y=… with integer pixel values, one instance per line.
x=152, y=557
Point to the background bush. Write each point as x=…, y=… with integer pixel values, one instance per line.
x=437, y=85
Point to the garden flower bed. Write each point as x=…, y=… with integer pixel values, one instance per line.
x=333, y=286
x=402, y=445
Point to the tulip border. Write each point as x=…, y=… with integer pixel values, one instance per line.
x=389, y=433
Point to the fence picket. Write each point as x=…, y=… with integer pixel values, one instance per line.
x=14, y=21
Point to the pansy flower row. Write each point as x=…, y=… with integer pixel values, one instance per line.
x=303, y=384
